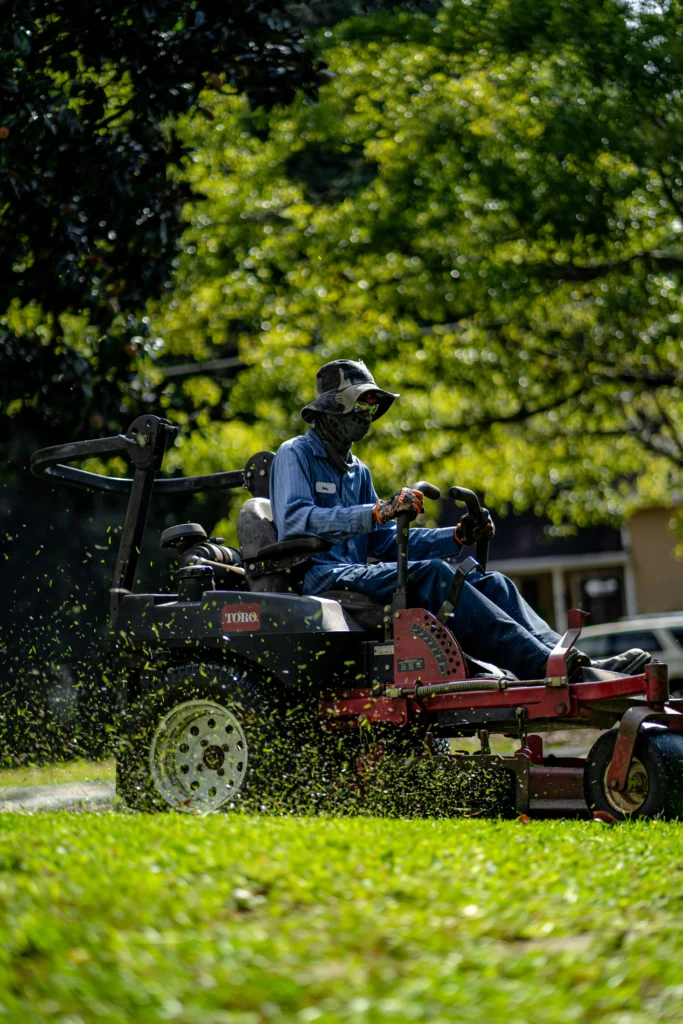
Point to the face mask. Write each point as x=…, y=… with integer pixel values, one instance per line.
x=356, y=427
x=342, y=431
x=339, y=433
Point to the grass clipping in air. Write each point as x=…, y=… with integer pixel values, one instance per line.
x=378, y=772
x=243, y=920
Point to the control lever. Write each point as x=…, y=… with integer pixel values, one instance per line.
x=470, y=499
x=430, y=491
x=403, y=520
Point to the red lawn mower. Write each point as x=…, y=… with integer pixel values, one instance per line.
x=229, y=678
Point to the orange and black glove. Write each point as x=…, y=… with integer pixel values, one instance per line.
x=405, y=500
x=470, y=529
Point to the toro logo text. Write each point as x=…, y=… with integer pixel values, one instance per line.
x=241, y=617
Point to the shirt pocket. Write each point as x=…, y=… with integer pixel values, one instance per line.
x=325, y=493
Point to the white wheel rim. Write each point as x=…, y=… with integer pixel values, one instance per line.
x=635, y=794
x=198, y=756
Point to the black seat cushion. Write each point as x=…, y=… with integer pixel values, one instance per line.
x=367, y=612
x=293, y=548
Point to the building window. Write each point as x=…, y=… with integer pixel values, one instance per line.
x=599, y=593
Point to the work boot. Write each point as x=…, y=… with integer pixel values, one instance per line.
x=580, y=669
x=576, y=662
x=589, y=674
x=630, y=663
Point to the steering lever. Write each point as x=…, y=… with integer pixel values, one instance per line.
x=403, y=520
x=469, y=498
x=430, y=491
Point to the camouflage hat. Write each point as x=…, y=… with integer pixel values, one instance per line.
x=339, y=385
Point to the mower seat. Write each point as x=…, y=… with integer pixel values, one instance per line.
x=255, y=528
x=272, y=566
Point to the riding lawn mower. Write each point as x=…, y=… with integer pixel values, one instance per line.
x=229, y=678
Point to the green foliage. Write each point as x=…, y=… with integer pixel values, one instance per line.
x=486, y=205
x=89, y=216
x=248, y=920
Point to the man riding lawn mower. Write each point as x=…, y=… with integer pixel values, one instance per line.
x=319, y=488
x=319, y=652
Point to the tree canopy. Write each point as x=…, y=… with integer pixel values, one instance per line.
x=486, y=205
x=89, y=216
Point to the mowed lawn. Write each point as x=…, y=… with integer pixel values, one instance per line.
x=232, y=919
x=59, y=773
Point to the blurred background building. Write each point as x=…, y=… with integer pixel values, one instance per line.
x=608, y=572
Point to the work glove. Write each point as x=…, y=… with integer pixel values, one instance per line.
x=469, y=530
x=405, y=500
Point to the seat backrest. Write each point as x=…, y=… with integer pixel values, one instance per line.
x=257, y=474
x=255, y=527
x=255, y=530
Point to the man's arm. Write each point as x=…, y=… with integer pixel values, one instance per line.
x=295, y=513
x=438, y=543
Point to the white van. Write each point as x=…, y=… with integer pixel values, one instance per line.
x=661, y=635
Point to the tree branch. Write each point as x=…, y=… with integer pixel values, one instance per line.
x=610, y=370
x=648, y=433
x=522, y=414
x=662, y=380
x=669, y=423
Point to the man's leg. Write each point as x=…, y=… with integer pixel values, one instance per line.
x=482, y=628
x=428, y=581
x=505, y=595
x=487, y=632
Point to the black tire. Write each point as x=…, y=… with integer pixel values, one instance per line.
x=212, y=737
x=655, y=783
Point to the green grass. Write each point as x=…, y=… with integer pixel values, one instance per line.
x=54, y=774
x=212, y=920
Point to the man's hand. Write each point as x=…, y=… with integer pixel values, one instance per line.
x=469, y=530
x=405, y=500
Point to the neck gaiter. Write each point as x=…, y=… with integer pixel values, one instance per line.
x=338, y=433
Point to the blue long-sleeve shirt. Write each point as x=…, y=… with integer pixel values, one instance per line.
x=311, y=497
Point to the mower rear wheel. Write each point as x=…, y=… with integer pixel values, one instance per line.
x=209, y=737
x=654, y=786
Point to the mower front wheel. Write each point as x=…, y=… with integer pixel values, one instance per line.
x=654, y=787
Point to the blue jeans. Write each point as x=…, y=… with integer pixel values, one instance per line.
x=491, y=621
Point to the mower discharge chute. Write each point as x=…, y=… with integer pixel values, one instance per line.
x=229, y=680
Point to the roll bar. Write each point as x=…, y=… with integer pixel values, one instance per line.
x=49, y=463
x=143, y=444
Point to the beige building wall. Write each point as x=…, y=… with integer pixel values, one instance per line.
x=658, y=576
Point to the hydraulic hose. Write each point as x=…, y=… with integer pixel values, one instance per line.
x=220, y=566
x=471, y=685
x=433, y=689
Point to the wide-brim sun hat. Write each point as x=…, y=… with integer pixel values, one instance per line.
x=339, y=385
